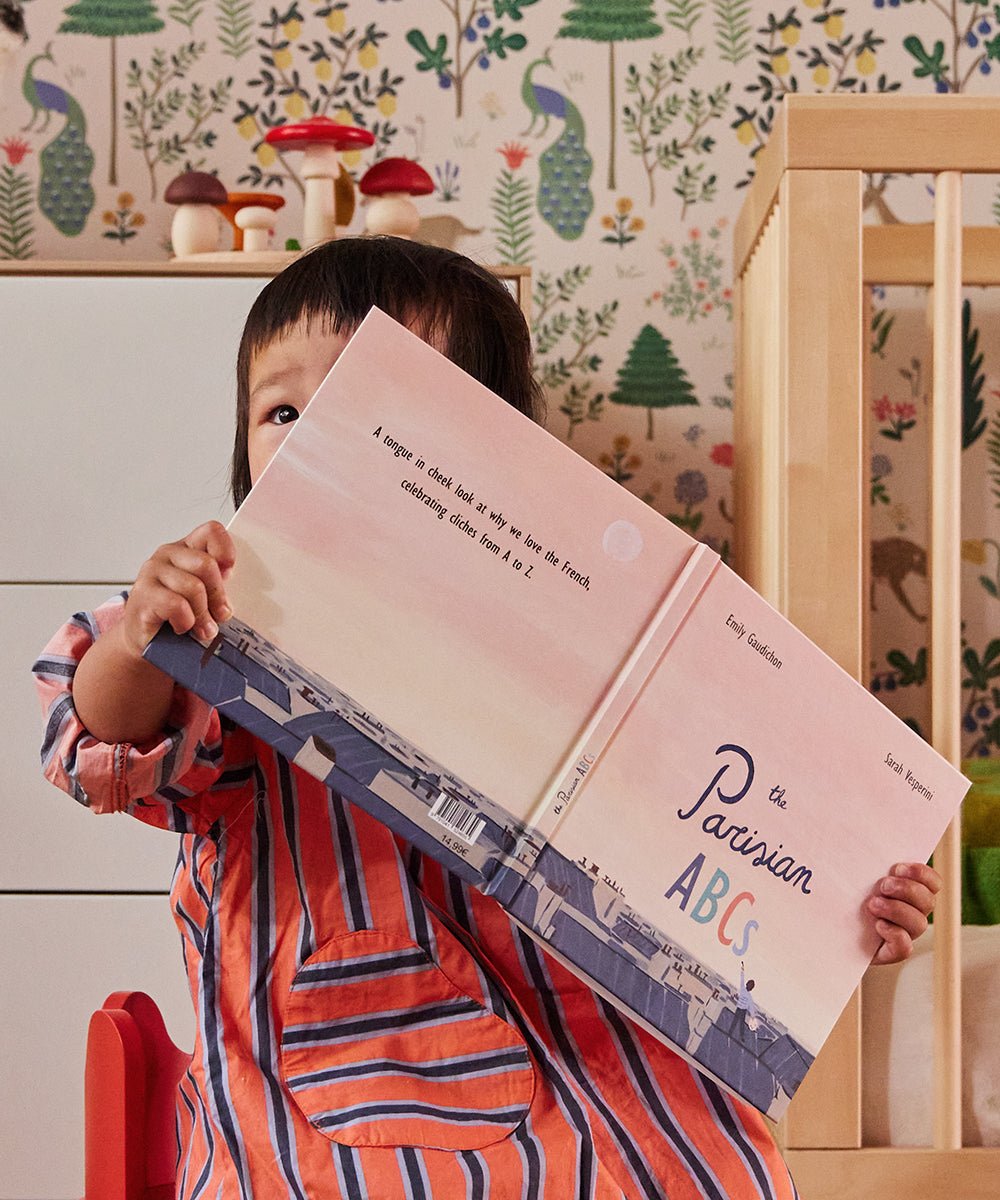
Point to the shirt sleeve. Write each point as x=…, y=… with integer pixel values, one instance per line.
x=171, y=771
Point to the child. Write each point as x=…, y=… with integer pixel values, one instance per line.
x=367, y=1024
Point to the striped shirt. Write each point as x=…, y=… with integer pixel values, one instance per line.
x=368, y=1025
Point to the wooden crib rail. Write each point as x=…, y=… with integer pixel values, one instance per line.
x=802, y=257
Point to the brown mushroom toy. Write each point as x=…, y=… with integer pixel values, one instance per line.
x=392, y=181
x=195, y=227
x=321, y=139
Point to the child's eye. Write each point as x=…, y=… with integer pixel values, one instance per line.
x=284, y=414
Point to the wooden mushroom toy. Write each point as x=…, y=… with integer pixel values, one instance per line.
x=237, y=200
x=391, y=182
x=321, y=139
x=257, y=224
x=195, y=227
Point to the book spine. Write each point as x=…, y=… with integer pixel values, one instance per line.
x=622, y=692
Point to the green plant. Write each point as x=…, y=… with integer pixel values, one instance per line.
x=16, y=228
x=476, y=42
x=160, y=102
x=556, y=322
x=233, y=22
x=512, y=206
x=185, y=12
x=655, y=109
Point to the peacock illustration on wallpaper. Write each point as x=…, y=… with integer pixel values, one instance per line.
x=65, y=194
x=565, y=200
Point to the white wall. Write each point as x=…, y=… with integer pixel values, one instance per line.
x=118, y=409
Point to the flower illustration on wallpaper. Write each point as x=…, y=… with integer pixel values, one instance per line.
x=698, y=283
x=16, y=206
x=565, y=200
x=97, y=18
x=652, y=377
x=15, y=149
x=722, y=454
x=894, y=417
x=448, y=186
x=690, y=490
x=981, y=719
x=622, y=224
x=511, y=204
x=124, y=223
x=620, y=464
x=881, y=470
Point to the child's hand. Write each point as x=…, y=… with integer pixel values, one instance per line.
x=901, y=904
x=182, y=584
x=118, y=695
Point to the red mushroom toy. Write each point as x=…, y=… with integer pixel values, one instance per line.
x=321, y=139
x=392, y=181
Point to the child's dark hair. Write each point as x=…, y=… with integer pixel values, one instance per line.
x=446, y=298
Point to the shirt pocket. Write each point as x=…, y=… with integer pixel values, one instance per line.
x=380, y=1048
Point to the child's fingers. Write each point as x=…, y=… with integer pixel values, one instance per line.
x=900, y=913
x=897, y=944
x=182, y=584
x=912, y=883
x=182, y=594
x=213, y=541
x=175, y=603
x=903, y=901
x=919, y=872
x=213, y=538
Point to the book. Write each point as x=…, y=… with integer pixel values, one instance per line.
x=482, y=639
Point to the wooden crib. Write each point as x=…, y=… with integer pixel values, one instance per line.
x=802, y=260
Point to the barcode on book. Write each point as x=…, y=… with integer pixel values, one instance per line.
x=458, y=818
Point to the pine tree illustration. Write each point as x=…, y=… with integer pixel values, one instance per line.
x=652, y=377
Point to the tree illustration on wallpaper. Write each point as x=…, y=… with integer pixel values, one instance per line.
x=667, y=127
x=837, y=59
x=975, y=33
x=475, y=35
x=652, y=377
x=120, y=19
x=599, y=21
x=161, y=99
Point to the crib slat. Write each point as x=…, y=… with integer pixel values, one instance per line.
x=945, y=636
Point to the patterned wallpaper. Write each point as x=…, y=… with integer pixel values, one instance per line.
x=604, y=142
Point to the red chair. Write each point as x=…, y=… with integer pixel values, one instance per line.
x=132, y=1073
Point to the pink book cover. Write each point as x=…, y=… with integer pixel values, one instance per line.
x=477, y=635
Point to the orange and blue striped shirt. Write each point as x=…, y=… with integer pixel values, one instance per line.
x=368, y=1025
